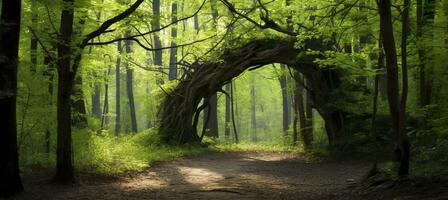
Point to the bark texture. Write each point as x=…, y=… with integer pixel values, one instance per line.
x=10, y=182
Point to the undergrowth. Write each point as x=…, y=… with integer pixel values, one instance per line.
x=106, y=153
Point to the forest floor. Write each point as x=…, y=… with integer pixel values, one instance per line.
x=215, y=175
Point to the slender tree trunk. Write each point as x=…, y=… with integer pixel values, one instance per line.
x=228, y=112
x=10, y=181
x=50, y=73
x=380, y=64
x=34, y=42
x=79, y=117
x=403, y=141
x=285, y=105
x=96, y=101
x=173, y=50
x=64, y=165
x=254, y=110
x=300, y=110
x=105, y=114
x=118, y=92
x=158, y=54
x=308, y=131
x=196, y=23
x=237, y=110
x=130, y=89
x=396, y=111
x=233, y=113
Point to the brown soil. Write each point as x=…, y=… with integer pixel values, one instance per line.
x=214, y=176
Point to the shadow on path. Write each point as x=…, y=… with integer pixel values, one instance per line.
x=212, y=176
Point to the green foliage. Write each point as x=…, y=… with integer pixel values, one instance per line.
x=432, y=161
x=107, y=153
x=257, y=147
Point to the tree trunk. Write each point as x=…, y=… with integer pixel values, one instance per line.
x=155, y=22
x=96, y=101
x=403, y=141
x=376, y=85
x=50, y=73
x=118, y=92
x=211, y=125
x=300, y=110
x=105, y=114
x=308, y=127
x=64, y=165
x=173, y=50
x=10, y=181
x=395, y=108
x=79, y=117
x=233, y=113
x=285, y=105
x=254, y=112
x=130, y=88
x=228, y=112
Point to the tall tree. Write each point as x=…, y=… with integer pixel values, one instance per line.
x=130, y=88
x=232, y=94
x=173, y=51
x=285, y=105
x=299, y=110
x=253, y=111
x=155, y=23
x=10, y=181
x=308, y=131
x=228, y=112
x=118, y=91
x=68, y=59
x=105, y=112
x=96, y=100
x=396, y=108
x=64, y=165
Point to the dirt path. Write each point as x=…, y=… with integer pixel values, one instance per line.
x=214, y=176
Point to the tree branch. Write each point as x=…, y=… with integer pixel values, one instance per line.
x=108, y=23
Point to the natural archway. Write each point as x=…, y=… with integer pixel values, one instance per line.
x=180, y=109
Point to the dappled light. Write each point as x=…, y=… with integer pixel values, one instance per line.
x=223, y=99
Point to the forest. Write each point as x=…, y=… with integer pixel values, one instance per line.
x=223, y=99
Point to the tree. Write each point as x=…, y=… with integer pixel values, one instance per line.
x=396, y=108
x=118, y=92
x=130, y=88
x=173, y=49
x=10, y=182
x=299, y=111
x=228, y=112
x=253, y=111
x=155, y=23
x=68, y=59
x=285, y=104
x=66, y=78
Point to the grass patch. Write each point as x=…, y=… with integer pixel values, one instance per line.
x=256, y=147
x=106, y=153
